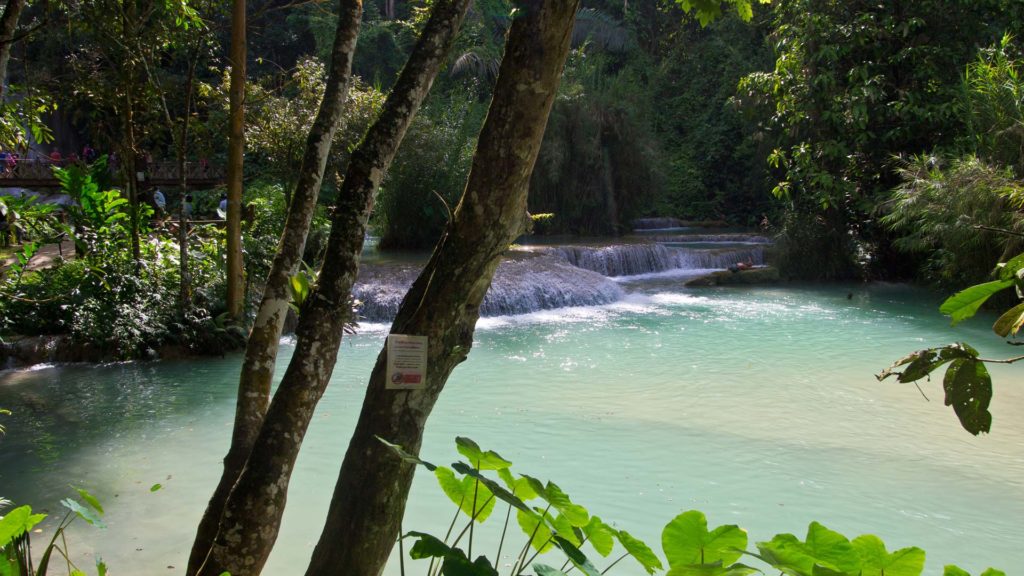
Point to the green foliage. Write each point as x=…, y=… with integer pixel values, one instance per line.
x=426, y=179
x=278, y=119
x=993, y=104
x=967, y=383
x=16, y=557
x=22, y=118
x=598, y=165
x=855, y=84
x=689, y=545
x=950, y=213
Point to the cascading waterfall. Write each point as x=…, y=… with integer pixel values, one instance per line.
x=524, y=282
x=635, y=259
x=548, y=277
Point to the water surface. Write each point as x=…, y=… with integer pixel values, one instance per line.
x=756, y=405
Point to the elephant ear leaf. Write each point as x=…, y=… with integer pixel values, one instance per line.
x=686, y=540
x=877, y=561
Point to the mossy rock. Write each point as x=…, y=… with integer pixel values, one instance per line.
x=765, y=275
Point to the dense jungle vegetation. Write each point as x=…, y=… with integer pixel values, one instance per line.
x=872, y=140
x=875, y=140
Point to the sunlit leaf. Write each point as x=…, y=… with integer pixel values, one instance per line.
x=965, y=303
x=82, y=512
x=877, y=561
x=17, y=522
x=480, y=459
x=533, y=526
x=641, y=552
x=686, y=540
x=89, y=499
x=600, y=536
x=1010, y=322
x=715, y=569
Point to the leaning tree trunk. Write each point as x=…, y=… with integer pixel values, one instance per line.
x=253, y=511
x=236, y=148
x=8, y=24
x=444, y=303
x=261, y=350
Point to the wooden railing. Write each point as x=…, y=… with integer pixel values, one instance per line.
x=38, y=173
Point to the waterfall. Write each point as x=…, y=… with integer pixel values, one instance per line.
x=548, y=277
x=711, y=238
x=636, y=259
x=524, y=282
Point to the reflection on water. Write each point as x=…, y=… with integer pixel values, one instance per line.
x=758, y=406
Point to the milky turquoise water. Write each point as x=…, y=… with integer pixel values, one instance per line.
x=757, y=406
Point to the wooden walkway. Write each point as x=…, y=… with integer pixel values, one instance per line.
x=38, y=173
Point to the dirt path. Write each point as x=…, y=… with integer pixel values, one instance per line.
x=45, y=257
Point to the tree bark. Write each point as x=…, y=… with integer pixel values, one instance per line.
x=444, y=303
x=8, y=25
x=252, y=513
x=236, y=148
x=261, y=349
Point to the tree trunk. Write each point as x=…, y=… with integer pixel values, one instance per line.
x=444, y=303
x=181, y=150
x=253, y=511
x=8, y=25
x=236, y=148
x=261, y=350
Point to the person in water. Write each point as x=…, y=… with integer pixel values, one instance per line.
x=739, y=266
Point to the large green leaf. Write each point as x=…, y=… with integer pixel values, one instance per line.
x=640, y=551
x=545, y=570
x=993, y=572
x=89, y=499
x=968, y=388
x=1010, y=322
x=17, y=522
x=560, y=526
x=687, y=541
x=1011, y=268
x=496, y=489
x=84, y=513
x=600, y=535
x=455, y=562
x=427, y=546
x=533, y=525
x=824, y=553
x=877, y=561
x=715, y=569
x=576, y=515
x=473, y=498
x=480, y=459
x=832, y=547
x=965, y=303
x=576, y=556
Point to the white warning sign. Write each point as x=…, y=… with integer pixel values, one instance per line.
x=407, y=362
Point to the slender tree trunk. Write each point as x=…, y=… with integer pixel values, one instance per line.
x=261, y=349
x=8, y=25
x=131, y=74
x=181, y=151
x=444, y=303
x=253, y=511
x=236, y=148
